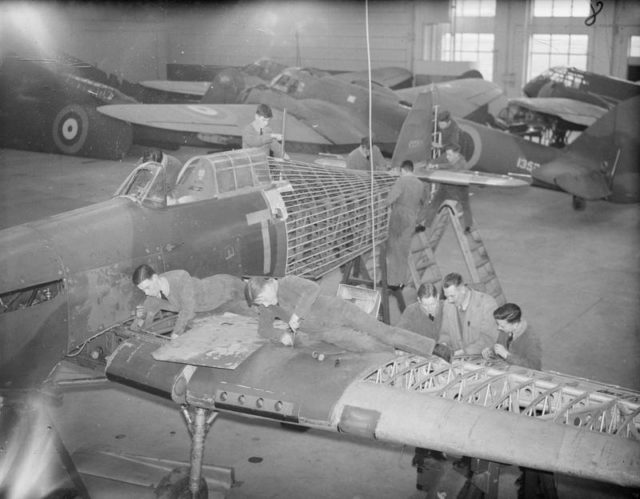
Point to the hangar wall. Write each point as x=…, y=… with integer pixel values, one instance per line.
x=138, y=40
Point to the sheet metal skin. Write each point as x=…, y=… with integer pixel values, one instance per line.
x=436, y=423
x=288, y=384
x=306, y=388
x=94, y=251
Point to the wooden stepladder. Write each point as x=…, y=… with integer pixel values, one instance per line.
x=422, y=261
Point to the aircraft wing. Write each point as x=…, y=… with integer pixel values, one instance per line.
x=195, y=88
x=387, y=77
x=460, y=97
x=580, y=113
x=573, y=176
x=480, y=409
x=209, y=119
x=470, y=178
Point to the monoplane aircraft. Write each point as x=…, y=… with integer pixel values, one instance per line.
x=49, y=104
x=602, y=163
x=67, y=293
x=323, y=112
x=572, y=83
x=230, y=83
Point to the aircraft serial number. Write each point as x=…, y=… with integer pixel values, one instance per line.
x=529, y=166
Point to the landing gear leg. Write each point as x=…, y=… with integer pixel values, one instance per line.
x=579, y=204
x=189, y=483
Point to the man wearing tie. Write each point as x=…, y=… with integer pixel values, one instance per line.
x=258, y=134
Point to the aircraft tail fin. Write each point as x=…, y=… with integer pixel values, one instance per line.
x=613, y=144
x=414, y=140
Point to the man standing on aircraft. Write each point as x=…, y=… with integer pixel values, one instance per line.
x=517, y=343
x=360, y=158
x=298, y=303
x=468, y=326
x=259, y=134
x=406, y=199
x=177, y=291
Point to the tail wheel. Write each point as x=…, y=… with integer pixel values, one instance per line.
x=83, y=131
x=70, y=129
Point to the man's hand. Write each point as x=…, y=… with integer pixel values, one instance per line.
x=487, y=353
x=294, y=322
x=500, y=350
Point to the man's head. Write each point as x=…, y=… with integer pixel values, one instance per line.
x=428, y=298
x=147, y=280
x=364, y=145
x=452, y=152
x=508, y=317
x=406, y=166
x=444, y=119
x=454, y=288
x=152, y=155
x=261, y=291
x=263, y=115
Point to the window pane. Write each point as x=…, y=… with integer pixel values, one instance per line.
x=578, y=61
x=472, y=47
x=542, y=8
x=558, y=50
x=539, y=63
x=560, y=44
x=561, y=8
x=634, y=46
x=579, y=44
x=475, y=8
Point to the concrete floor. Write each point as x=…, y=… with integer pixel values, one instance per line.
x=575, y=274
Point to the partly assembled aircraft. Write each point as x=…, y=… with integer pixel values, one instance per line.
x=603, y=162
x=229, y=83
x=585, y=86
x=49, y=104
x=67, y=294
x=316, y=112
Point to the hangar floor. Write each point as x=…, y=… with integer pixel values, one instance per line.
x=575, y=274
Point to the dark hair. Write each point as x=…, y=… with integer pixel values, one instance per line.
x=509, y=312
x=364, y=141
x=264, y=110
x=452, y=147
x=254, y=287
x=444, y=115
x=428, y=290
x=152, y=155
x=142, y=273
x=407, y=165
x=452, y=279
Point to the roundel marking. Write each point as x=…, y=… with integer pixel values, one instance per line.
x=473, y=149
x=70, y=129
x=206, y=110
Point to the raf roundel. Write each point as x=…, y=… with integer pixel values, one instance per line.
x=70, y=129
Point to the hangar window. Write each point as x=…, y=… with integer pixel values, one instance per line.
x=634, y=46
x=548, y=50
x=561, y=8
x=473, y=47
x=475, y=8
x=29, y=297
